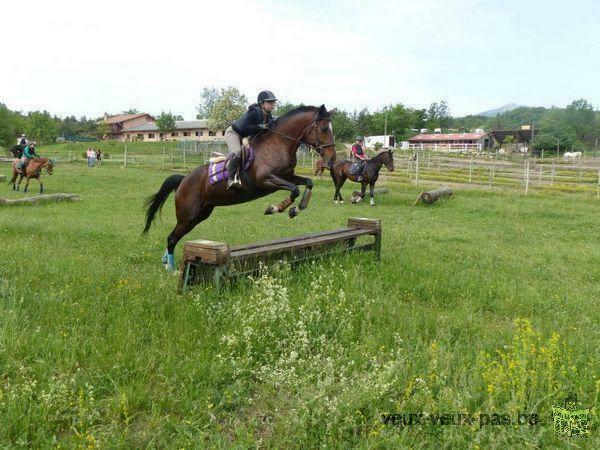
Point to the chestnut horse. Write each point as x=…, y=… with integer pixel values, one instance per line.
x=272, y=170
x=33, y=169
x=341, y=171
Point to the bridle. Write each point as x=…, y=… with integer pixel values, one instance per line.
x=320, y=149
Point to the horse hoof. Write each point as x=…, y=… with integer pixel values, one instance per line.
x=272, y=209
x=336, y=202
x=293, y=212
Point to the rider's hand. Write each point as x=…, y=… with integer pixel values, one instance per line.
x=263, y=126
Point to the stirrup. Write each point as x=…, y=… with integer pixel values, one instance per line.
x=234, y=182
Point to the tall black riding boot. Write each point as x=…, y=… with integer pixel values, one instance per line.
x=233, y=168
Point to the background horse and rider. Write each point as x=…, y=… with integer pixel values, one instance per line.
x=272, y=170
x=342, y=171
x=33, y=169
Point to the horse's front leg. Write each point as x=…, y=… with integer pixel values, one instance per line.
x=273, y=182
x=372, y=193
x=301, y=181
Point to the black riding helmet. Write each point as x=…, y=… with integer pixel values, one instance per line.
x=266, y=96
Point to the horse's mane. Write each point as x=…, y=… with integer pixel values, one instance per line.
x=296, y=111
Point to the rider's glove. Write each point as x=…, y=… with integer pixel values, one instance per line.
x=263, y=126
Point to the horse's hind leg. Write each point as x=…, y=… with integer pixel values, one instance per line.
x=26, y=185
x=181, y=229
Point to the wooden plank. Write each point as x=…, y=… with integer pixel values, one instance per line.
x=288, y=239
x=315, y=241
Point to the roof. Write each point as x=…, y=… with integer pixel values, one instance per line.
x=179, y=125
x=447, y=137
x=124, y=117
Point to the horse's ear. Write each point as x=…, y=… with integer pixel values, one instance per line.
x=322, y=111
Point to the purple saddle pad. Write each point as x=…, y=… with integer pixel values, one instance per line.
x=218, y=171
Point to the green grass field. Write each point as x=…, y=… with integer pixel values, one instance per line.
x=485, y=303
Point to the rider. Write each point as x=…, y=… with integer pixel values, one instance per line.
x=22, y=141
x=258, y=117
x=28, y=153
x=359, y=153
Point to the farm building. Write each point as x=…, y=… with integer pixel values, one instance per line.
x=452, y=142
x=117, y=124
x=142, y=127
x=196, y=130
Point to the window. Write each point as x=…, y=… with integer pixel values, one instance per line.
x=186, y=133
x=212, y=133
x=150, y=135
x=173, y=134
x=140, y=136
x=223, y=133
x=197, y=133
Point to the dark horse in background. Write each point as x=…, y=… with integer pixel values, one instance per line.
x=341, y=171
x=272, y=170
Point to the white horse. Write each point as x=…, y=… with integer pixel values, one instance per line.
x=573, y=156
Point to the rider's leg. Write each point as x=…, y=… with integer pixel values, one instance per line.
x=234, y=143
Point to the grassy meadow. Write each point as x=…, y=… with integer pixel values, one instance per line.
x=483, y=304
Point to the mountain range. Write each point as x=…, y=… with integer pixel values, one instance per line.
x=502, y=109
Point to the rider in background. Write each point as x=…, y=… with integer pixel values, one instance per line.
x=258, y=117
x=28, y=153
x=22, y=141
x=359, y=154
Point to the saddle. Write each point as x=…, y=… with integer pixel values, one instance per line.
x=355, y=168
x=217, y=167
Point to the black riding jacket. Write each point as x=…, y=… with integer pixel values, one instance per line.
x=249, y=124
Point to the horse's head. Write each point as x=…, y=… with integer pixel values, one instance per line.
x=49, y=166
x=319, y=135
x=387, y=157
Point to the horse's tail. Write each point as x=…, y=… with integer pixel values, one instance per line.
x=155, y=202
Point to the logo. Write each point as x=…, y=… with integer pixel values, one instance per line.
x=571, y=420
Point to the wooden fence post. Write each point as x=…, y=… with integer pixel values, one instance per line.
x=552, y=175
x=471, y=169
x=526, y=176
x=125, y=157
x=417, y=170
x=598, y=193
x=164, y=157
x=541, y=169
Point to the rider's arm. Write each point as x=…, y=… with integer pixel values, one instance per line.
x=251, y=123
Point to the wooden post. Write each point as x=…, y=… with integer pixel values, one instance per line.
x=471, y=169
x=598, y=193
x=490, y=177
x=541, y=169
x=552, y=175
x=172, y=162
x=163, y=158
x=184, y=156
x=125, y=157
x=69, y=155
x=526, y=176
x=417, y=170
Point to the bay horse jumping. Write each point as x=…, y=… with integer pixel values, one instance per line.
x=33, y=169
x=341, y=171
x=272, y=170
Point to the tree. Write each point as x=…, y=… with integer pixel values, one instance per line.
x=41, y=127
x=438, y=115
x=362, y=122
x=165, y=122
x=209, y=97
x=131, y=111
x=7, y=127
x=230, y=105
x=343, y=127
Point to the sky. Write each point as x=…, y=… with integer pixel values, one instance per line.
x=88, y=58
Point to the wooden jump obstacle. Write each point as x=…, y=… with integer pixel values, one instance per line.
x=208, y=261
x=42, y=198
